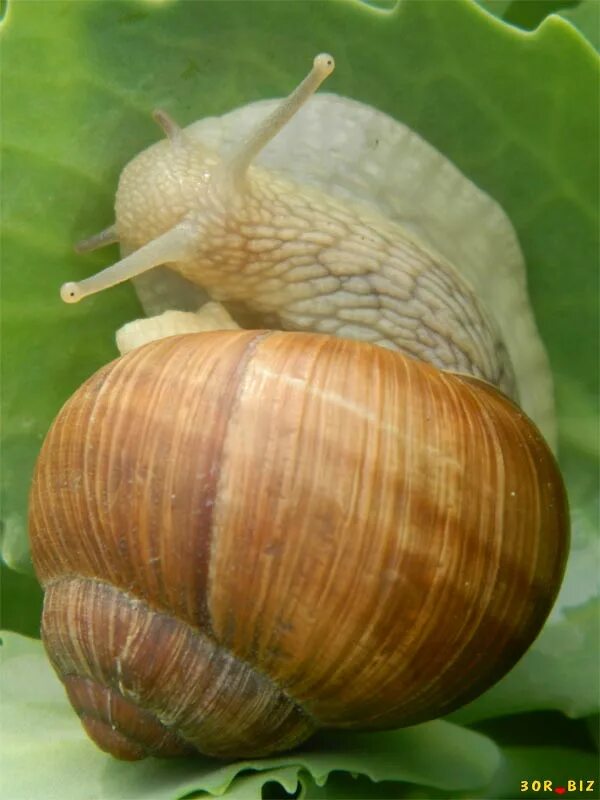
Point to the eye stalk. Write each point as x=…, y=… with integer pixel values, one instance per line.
x=237, y=165
x=171, y=246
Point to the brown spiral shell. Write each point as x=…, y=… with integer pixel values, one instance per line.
x=245, y=536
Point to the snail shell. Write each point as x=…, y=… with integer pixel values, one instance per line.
x=245, y=536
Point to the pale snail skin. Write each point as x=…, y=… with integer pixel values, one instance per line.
x=248, y=235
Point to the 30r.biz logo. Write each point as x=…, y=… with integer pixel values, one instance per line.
x=565, y=788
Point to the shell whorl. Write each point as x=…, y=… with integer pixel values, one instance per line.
x=146, y=683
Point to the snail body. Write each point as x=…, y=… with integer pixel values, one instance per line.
x=307, y=542
x=326, y=266
x=312, y=259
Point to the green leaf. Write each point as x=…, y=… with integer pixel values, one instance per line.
x=528, y=14
x=516, y=111
x=496, y=7
x=437, y=754
x=20, y=602
x=586, y=18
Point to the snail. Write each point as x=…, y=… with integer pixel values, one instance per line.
x=248, y=535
